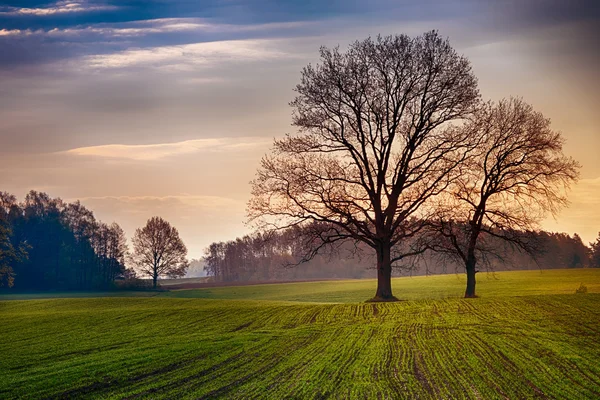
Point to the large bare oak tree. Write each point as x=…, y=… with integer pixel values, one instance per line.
x=511, y=181
x=377, y=141
x=159, y=251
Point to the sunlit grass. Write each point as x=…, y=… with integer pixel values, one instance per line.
x=507, y=283
x=524, y=338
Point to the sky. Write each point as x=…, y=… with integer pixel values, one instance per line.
x=165, y=107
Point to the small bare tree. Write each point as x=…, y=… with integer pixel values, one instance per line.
x=517, y=175
x=376, y=144
x=159, y=251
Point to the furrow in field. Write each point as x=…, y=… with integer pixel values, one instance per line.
x=487, y=348
x=194, y=374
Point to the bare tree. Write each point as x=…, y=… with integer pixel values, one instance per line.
x=517, y=175
x=159, y=251
x=110, y=247
x=376, y=143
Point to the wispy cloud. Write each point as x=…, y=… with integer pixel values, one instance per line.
x=155, y=26
x=188, y=55
x=130, y=29
x=149, y=152
x=60, y=7
x=174, y=25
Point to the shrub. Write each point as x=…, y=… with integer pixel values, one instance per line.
x=582, y=289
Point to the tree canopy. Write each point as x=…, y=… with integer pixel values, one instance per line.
x=377, y=141
x=512, y=179
x=46, y=244
x=393, y=143
x=158, y=250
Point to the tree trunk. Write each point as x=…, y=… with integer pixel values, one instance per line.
x=154, y=279
x=470, y=266
x=384, y=274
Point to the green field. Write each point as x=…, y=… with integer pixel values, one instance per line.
x=528, y=336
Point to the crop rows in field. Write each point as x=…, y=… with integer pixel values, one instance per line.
x=538, y=346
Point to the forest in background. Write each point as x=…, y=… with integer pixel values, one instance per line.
x=53, y=245
x=276, y=257
x=49, y=244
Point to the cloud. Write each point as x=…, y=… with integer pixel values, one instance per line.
x=13, y=32
x=162, y=27
x=168, y=25
x=149, y=152
x=130, y=29
x=188, y=55
x=60, y=7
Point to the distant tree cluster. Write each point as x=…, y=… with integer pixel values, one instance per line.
x=46, y=243
x=280, y=256
x=251, y=257
x=259, y=257
x=564, y=251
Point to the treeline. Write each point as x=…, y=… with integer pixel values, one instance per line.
x=49, y=244
x=560, y=250
x=276, y=256
x=259, y=257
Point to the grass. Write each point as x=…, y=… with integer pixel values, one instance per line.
x=513, y=283
x=261, y=343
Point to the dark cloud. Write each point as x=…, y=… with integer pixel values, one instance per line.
x=546, y=12
x=238, y=12
x=30, y=38
x=567, y=32
x=582, y=16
